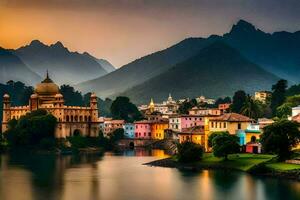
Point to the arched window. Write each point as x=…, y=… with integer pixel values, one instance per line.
x=80, y=118
x=76, y=118
x=72, y=118
x=85, y=118
x=67, y=118
x=90, y=119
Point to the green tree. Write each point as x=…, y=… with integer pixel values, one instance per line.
x=278, y=95
x=225, y=144
x=31, y=130
x=189, y=152
x=293, y=90
x=71, y=96
x=186, y=106
x=122, y=108
x=213, y=135
x=238, y=101
x=251, y=108
x=280, y=137
x=117, y=135
x=284, y=111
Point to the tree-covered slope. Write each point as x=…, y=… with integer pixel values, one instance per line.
x=217, y=70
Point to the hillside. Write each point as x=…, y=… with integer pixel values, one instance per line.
x=217, y=70
x=67, y=67
x=144, y=68
x=277, y=53
x=12, y=68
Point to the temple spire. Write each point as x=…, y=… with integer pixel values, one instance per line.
x=47, y=74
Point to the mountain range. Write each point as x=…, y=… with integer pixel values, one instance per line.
x=276, y=53
x=67, y=67
x=216, y=70
x=13, y=68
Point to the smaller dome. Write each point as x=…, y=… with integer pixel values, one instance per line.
x=6, y=96
x=59, y=95
x=33, y=96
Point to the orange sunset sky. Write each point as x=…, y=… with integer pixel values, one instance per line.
x=123, y=30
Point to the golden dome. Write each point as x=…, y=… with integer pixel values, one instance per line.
x=47, y=87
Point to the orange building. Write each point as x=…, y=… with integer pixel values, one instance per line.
x=194, y=134
x=158, y=129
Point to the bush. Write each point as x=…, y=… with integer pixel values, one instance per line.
x=280, y=137
x=189, y=152
x=213, y=135
x=225, y=144
x=78, y=142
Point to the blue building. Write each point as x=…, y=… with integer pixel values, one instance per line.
x=129, y=130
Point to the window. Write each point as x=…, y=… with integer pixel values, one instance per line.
x=239, y=126
x=224, y=125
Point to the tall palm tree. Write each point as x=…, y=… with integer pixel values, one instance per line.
x=251, y=108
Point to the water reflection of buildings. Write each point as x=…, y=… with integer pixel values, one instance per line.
x=44, y=177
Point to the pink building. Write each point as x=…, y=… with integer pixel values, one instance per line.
x=177, y=123
x=143, y=129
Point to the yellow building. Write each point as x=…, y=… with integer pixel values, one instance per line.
x=262, y=96
x=158, y=129
x=193, y=134
x=70, y=119
x=230, y=122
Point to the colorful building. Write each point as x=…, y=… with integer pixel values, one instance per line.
x=205, y=111
x=158, y=129
x=179, y=122
x=129, y=130
x=142, y=129
x=232, y=123
x=193, y=134
x=252, y=133
x=111, y=125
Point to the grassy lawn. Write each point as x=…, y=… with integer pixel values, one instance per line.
x=242, y=162
x=281, y=166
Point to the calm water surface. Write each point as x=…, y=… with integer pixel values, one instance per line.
x=123, y=176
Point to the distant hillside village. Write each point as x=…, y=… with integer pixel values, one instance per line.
x=181, y=120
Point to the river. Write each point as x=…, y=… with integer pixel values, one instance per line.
x=122, y=176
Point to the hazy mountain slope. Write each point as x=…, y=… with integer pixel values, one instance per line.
x=12, y=68
x=66, y=67
x=215, y=71
x=278, y=53
x=106, y=65
x=144, y=68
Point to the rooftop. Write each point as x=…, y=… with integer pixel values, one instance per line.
x=232, y=117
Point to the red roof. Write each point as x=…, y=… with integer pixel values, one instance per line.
x=232, y=117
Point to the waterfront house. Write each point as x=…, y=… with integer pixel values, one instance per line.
x=194, y=134
x=142, y=129
x=233, y=123
x=111, y=125
x=158, y=129
x=129, y=130
x=253, y=147
x=252, y=133
x=230, y=122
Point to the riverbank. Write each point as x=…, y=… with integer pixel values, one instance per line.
x=255, y=164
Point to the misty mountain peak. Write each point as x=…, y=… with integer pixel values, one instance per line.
x=58, y=44
x=36, y=43
x=243, y=27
